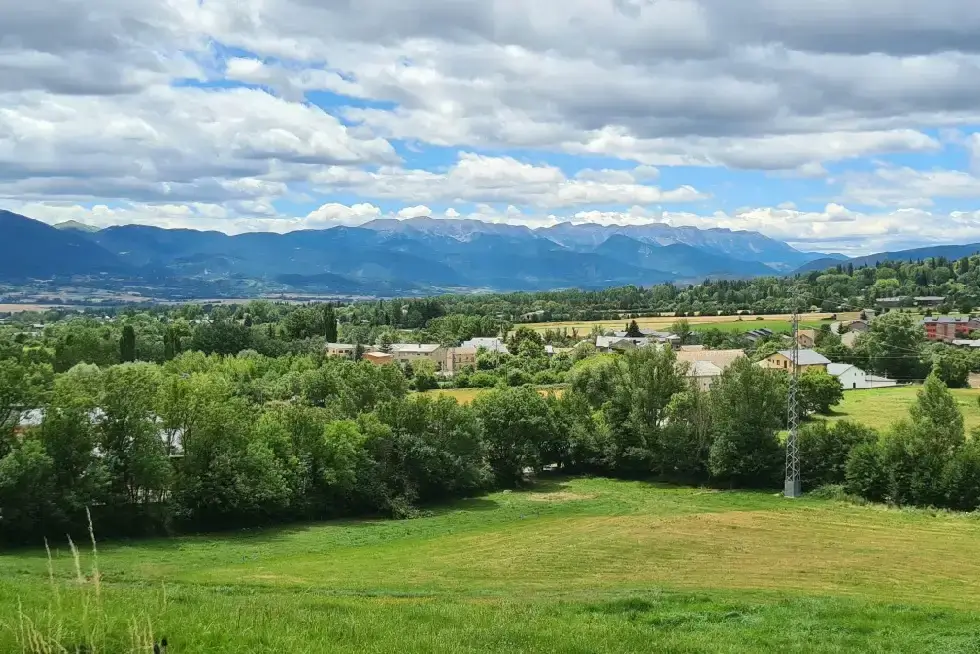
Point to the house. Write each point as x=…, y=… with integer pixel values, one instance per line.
x=807, y=338
x=491, y=344
x=858, y=325
x=615, y=343
x=949, y=328
x=622, y=344
x=852, y=377
x=458, y=358
x=849, y=339
x=703, y=374
x=755, y=335
x=783, y=360
x=340, y=350
x=719, y=358
x=655, y=336
x=412, y=352
x=378, y=358
x=929, y=300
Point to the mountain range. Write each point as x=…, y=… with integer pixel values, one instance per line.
x=396, y=256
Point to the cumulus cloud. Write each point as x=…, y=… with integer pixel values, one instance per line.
x=134, y=110
x=486, y=179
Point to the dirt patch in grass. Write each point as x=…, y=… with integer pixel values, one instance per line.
x=560, y=496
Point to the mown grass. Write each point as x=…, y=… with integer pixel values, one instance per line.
x=880, y=407
x=575, y=565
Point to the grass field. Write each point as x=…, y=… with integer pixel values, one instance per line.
x=728, y=323
x=880, y=407
x=575, y=565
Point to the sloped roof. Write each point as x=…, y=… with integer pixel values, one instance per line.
x=492, y=344
x=807, y=357
x=838, y=369
x=420, y=348
x=720, y=358
x=703, y=369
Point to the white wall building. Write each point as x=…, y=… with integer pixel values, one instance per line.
x=853, y=378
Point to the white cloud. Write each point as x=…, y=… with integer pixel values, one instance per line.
x=485, y=179
x=420, y=211
x=906, y=187
x=167, y=144
x=96, y=109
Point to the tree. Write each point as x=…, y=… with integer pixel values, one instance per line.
x=749, y=406
x=645, y=382
x=127, y=344
x=825, y=449
x=819, y=391
x=952, y=367
x=894, y=345
x=935, y=410
x=525, y=334
x=329, y=324
x=385, y=341
x=633, y=330
x=518, y=425
x=682, y=329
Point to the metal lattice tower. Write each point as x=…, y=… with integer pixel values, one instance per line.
x=793, y=487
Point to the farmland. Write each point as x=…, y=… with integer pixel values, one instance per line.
x=584, y=565
x=467, y=395
x=727, y=323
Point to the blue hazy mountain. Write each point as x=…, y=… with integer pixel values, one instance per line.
x=915, y=254
x=422, y=254
x=34, y=250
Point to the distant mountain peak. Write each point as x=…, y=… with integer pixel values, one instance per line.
x=74, y=224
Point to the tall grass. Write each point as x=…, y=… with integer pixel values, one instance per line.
x=75, y=620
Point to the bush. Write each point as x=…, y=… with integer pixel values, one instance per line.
x=825, y=450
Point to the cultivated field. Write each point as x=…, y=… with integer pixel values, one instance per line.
x=575, y=565
x=467, y=395
x=728, y=323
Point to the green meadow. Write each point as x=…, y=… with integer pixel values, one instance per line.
x=572, y=565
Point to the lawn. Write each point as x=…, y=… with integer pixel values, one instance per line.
x=728, y=323
x=574, y=565
x=880, y=407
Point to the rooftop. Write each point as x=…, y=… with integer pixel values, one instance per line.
x=720, y=358
x=807, y=357
x=703, y=369
x=415, y=348
x=947, y=319
x=492, y=344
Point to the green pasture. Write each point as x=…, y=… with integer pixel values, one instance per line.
x=572, y=565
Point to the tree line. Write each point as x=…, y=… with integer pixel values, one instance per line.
x=206, y=442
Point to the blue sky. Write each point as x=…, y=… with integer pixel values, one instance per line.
x=835, y=128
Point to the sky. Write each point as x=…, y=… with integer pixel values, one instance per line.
x=833, y=125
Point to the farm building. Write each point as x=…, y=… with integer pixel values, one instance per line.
x=852, y=377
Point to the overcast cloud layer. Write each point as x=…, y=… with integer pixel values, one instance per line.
x=832, y=124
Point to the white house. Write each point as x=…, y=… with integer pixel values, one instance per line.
x=852, y=377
